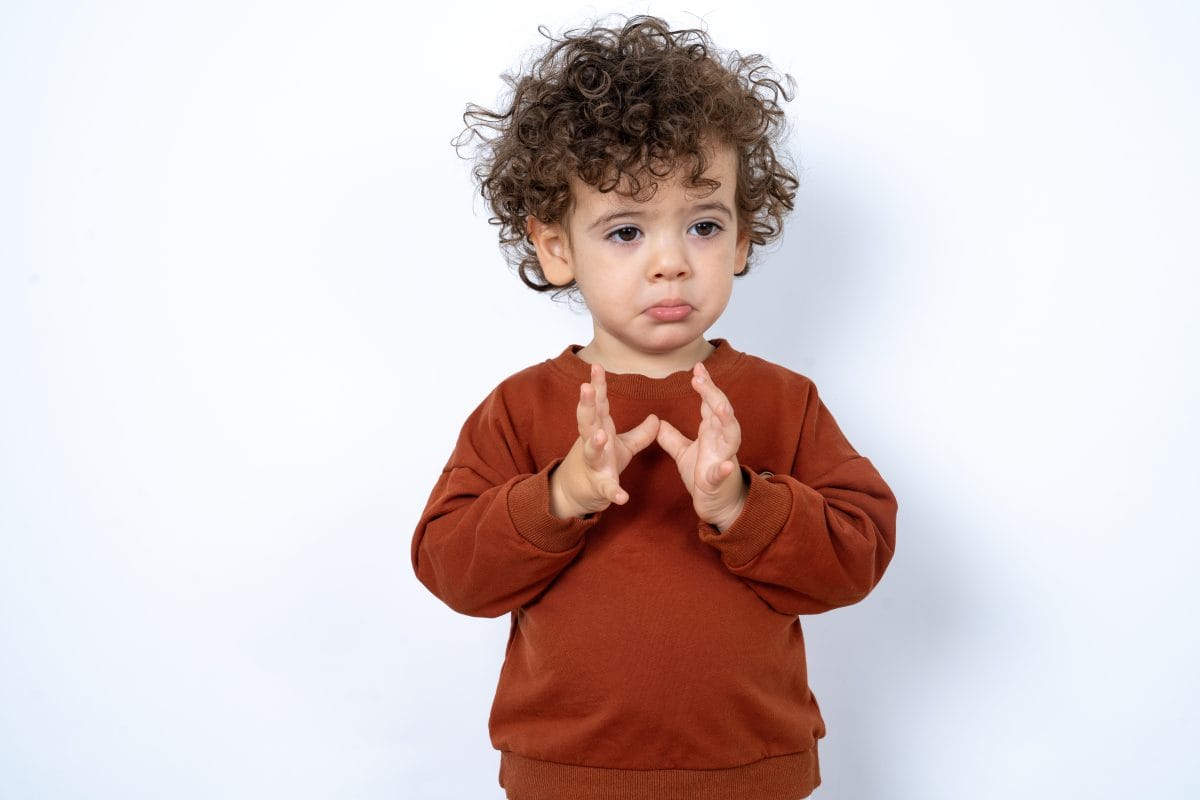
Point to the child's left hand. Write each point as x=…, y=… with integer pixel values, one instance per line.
x=708, y=464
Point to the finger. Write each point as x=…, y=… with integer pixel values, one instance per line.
x=611, y=491
x=671, y=440
x=593, y=449
x=719, y=472
x=709, y=428
x=601, y=386
x=585, y=412
x=724, y=433
x=718, y=424
x=637, y=439
x=713, y=397
x=713, y=451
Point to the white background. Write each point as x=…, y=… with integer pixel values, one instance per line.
x=248, y=296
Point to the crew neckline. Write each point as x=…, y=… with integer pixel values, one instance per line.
x=720, y=363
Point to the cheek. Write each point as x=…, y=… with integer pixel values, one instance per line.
x=722, y=289
x=603, y=294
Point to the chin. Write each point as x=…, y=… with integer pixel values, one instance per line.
x=676, y=341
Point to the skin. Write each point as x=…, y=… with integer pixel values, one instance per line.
x=682, y=247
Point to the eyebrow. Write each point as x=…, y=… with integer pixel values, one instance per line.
x=624, y=212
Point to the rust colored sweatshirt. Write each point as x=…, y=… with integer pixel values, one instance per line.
x=650, y=656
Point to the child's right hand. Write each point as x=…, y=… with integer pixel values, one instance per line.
x=587, y=480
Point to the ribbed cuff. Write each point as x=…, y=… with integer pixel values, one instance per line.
x=529, y=509
x=767, y=507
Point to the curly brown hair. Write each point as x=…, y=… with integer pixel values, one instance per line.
x=619, y=108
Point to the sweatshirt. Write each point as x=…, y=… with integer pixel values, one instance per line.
x=651, y=656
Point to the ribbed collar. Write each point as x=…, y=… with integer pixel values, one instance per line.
x=720, y=363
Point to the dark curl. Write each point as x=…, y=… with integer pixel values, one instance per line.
x=621, y=107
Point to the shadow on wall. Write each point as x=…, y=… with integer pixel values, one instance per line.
x=813, y=305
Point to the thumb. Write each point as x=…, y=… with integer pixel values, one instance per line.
x=636, y=439
x=671, y=440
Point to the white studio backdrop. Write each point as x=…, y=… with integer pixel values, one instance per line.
x=248, y=296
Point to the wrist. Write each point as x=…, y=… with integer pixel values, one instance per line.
x=562, y=505
x=558, y=502
x=725, y=519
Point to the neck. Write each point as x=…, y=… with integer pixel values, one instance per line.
x=652, y=365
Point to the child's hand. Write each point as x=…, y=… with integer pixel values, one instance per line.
x=587, y=479
x=709, y=465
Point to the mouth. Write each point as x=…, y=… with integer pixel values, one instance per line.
x=670, y=310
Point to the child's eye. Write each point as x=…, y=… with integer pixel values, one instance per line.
x=626, y=234
x=707, y=229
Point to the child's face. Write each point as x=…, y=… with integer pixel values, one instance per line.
x=655, y=274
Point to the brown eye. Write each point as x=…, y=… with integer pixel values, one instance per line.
x=626, y=234
x=707, y=229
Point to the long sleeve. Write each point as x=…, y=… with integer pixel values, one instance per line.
x=638, y=663
x=487, y=543
x=819, y=537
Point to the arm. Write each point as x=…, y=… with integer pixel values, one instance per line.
x=497, y=529
x=809, y=541
x=487, y=542
x=810, y=547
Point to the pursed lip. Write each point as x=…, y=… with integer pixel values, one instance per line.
x=670, y=310
x=670, y=303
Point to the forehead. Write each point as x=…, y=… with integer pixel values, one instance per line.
x=721, y=167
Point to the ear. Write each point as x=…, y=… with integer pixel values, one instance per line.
x=742, y=251
x=553, y=251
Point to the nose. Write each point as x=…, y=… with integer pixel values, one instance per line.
x=668, y=261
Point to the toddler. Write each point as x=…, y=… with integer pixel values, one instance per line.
x=653, y=509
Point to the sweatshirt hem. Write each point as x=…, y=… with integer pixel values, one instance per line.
x=787, y=777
